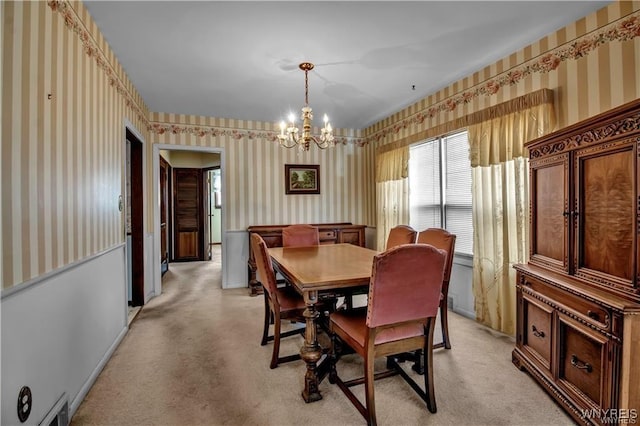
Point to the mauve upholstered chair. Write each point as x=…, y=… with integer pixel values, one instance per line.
x=400, y=318
x=401, y=234
x=300, y=235
x=443, y=240
x=279, y=302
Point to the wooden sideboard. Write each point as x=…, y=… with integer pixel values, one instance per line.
x=578, y=297
x=330, y=233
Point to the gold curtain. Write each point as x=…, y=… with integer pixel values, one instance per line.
x=392, y=191
x=500, y=205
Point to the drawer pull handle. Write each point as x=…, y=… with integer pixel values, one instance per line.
x=593, y=315
x=537, y=332
x=581, y=365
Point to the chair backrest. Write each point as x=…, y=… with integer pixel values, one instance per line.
x=401, y=234
x=300, y=235
x=405, y=284
x=263, y=264
x=442, y=239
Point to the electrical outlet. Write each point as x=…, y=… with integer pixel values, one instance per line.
x=25, y=401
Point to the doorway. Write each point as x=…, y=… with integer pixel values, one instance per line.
x=213, y=182
x=188, y=159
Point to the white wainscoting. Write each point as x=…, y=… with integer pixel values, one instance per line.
x=235, y=256
x=59, y=330
x=460, y=289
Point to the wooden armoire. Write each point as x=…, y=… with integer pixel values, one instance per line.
x=578, y=297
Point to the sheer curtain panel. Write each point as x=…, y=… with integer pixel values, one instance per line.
x=500, y=208
x=392, y=191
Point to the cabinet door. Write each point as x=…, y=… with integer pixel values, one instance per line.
x=606, y=214
x=352, y=236
x=537, y=330
x=550, y=212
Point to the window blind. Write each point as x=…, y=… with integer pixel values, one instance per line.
x=440, y=188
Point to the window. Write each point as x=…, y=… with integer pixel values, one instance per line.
x=440, y=188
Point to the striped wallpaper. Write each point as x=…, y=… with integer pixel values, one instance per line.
x=62, y=158
x=62, y=139
x=254, y=174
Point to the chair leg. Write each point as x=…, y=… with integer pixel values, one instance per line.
x=428, y=373
x=267, y=319
x=444, y=308
x=333, y=358
x=276, y=343
x=369, y=360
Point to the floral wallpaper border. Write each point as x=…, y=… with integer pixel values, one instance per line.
x=624, y=29
x=73, y=22
x=237, y=134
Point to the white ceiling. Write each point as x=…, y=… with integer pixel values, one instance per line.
x=240, y=59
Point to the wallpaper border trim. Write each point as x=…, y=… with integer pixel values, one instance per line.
x=623, y=29
x=236, y=134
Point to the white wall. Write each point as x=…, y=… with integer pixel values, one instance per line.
x=460, y=287
x=59, y=331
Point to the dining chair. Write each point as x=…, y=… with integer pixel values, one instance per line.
x=401, y=234
x=443, y=240
x=400, y=317
x=300, y=235
x=279, y=303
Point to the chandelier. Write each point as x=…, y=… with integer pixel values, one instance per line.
x=289, y=133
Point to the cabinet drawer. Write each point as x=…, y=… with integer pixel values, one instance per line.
x=589, y=311
x=583, y=363
x=537, y=330
x=327, y=235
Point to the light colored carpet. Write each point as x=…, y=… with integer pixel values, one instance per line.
x=193, y=357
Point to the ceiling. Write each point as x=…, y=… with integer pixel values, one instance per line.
x=240, y=59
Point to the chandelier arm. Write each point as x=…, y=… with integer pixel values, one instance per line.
x=294, y=141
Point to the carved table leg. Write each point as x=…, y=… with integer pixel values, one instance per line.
x=311, y=351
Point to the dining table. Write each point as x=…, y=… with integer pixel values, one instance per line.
x=315, y=272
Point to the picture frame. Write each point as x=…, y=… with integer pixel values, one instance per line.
x=302, y=178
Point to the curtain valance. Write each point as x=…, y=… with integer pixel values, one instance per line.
x=521, y=103
x=501, y=139
x=392, y=165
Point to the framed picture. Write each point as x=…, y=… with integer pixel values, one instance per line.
x=302, y=178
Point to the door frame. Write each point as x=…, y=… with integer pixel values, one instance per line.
x=157, y=278
x=205, y=173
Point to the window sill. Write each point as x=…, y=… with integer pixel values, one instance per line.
x=463, y=259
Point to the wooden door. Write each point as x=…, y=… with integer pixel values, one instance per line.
x=188, y=217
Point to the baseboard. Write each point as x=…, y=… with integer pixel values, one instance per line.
x=94, y=375
x=464, y=313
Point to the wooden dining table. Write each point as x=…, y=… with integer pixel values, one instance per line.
x=334, y=269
